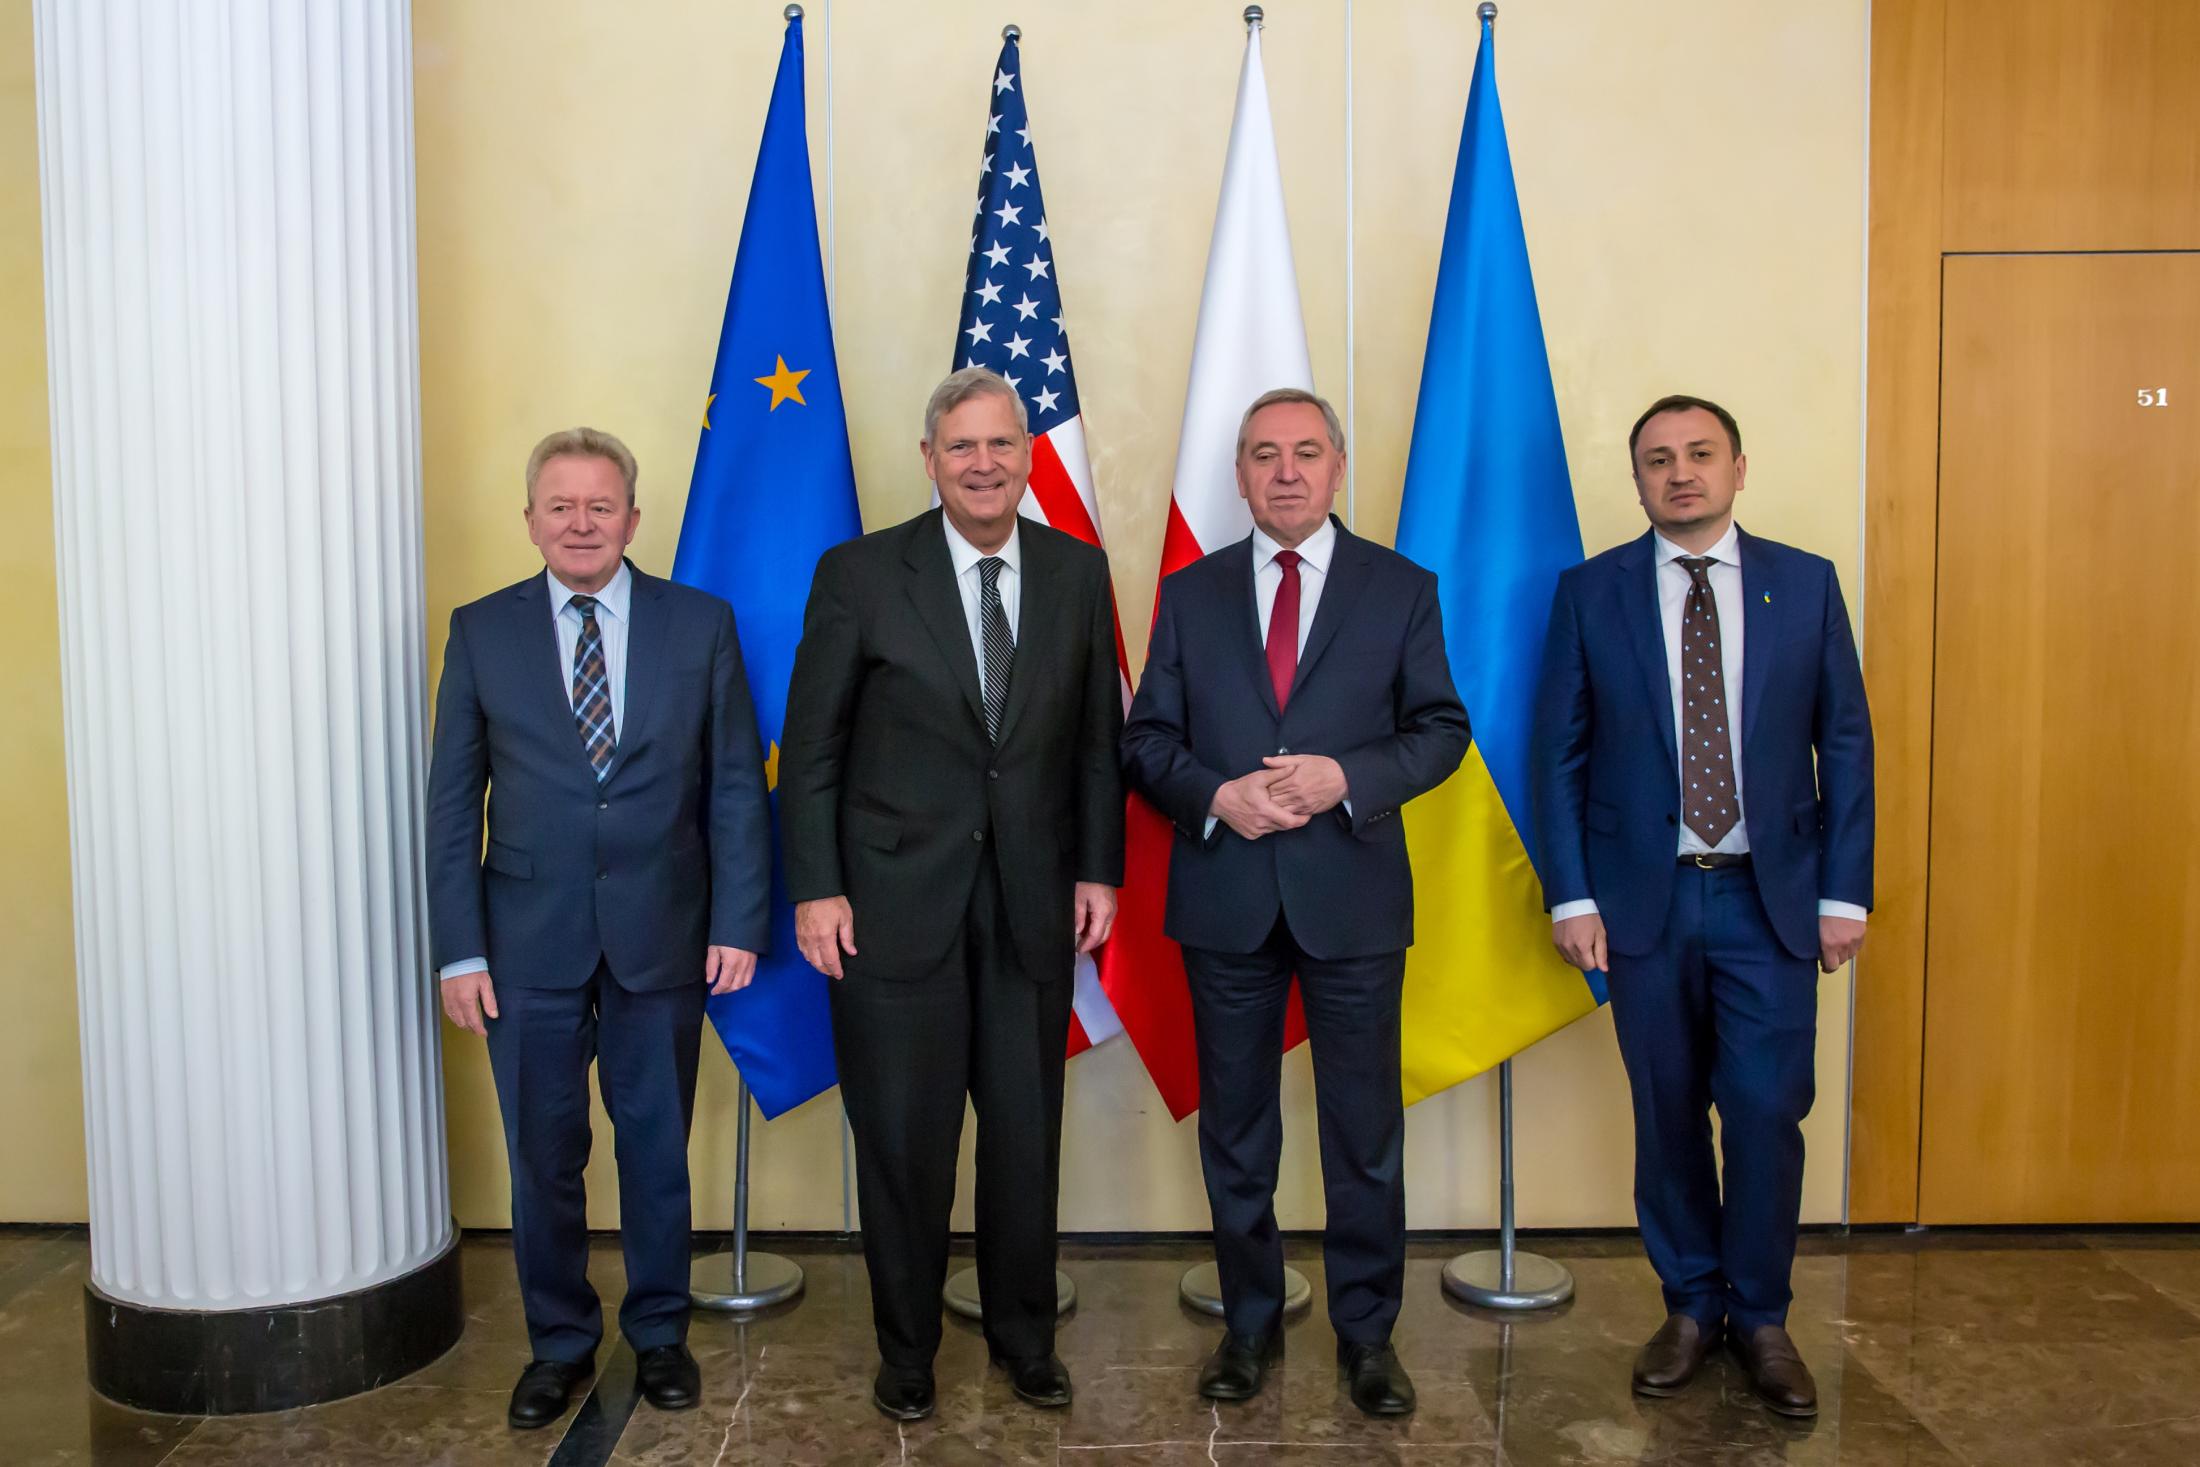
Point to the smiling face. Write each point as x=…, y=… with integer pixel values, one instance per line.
x=1687, y=474
x=581, y=519
x=979, y=459
x=1289, y=471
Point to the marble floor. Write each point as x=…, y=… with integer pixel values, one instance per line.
x=1996, y=1349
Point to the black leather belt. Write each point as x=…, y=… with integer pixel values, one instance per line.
x=1714, y=861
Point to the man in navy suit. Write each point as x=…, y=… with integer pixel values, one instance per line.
x=1296, y=696
x=606, y=716
x=1703, y=818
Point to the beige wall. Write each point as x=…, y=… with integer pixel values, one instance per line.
x=1692, y=178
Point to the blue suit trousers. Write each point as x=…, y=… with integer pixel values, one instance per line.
x=1719, y=1013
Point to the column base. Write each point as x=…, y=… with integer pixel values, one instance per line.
x=188, y=1362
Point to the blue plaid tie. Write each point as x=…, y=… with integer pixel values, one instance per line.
x=592, y=690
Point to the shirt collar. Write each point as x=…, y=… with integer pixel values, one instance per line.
x=614, y=598
x=1314, y=550
x=965, y=555
x=1728, y=550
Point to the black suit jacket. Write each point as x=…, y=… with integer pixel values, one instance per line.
x=889, y=790
x=1373, y=692
x=671, y=851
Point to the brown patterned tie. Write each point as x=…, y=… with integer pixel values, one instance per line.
x=1707, y=747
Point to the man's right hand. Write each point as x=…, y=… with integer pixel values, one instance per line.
x=1581, y=941
x=824, y=929
x=1245, y=805
x=467, y=998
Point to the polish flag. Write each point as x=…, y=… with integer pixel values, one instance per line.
x=1250, y=338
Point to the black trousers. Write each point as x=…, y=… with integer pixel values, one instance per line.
x=644, y=1047
x=911, y=1046
x=1238, y=1003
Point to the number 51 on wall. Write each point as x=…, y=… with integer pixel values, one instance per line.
x=2154, y=397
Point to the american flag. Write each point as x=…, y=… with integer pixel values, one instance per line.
x=1012, y=324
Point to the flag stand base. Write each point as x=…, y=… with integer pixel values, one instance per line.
x=741, y=1282
x=731, y=1283
x=1201, y=1289
x=961, y=1294
x=1480, y=1279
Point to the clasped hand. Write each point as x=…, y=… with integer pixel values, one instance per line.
x=1286, y=792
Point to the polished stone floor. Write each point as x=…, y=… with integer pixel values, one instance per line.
x=1995, y=1349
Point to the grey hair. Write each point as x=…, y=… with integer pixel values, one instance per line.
x=1277, y=395
x=582, y=443
x=959, y=387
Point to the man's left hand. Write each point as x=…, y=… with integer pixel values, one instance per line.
x=1307, y=784
x=1838, y=941
x=728, y=968
x=1095, y=914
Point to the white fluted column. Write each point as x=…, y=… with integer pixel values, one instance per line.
x=232, y=348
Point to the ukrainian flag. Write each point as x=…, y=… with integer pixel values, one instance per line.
x=1488, y=507
x=774, y=489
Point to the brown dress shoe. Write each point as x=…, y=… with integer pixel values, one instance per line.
x=1776, y=1372
x=1674, y=1355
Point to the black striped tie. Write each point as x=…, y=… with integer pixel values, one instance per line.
x=999, y=647
x=592, y=690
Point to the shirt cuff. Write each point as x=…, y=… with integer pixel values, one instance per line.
x=1207, y=831
x=1843, y=909
x=462, y=967
x=1586, y=907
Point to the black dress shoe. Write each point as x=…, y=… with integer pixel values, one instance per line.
x=905, y=1395
x=1673, y=1356
x=1040, y=1380
x=1239, y=1366
x=544, y=1389
x=668, y=1377
x=1380, y=1385
x=1776, y=1371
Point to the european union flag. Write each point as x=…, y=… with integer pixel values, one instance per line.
x=774, y=488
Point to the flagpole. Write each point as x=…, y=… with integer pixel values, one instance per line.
x=1201, y=1286
x=1507, y=1279
x=742, y=1282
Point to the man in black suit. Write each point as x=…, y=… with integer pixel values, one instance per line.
x=953, y=818
x=606, y=715
x=1295, y=697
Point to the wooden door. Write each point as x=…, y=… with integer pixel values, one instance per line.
x=2062, y=1005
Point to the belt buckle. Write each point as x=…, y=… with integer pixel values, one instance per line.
x=1704, y=862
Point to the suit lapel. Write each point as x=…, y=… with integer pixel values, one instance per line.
x=1254, y=644
x=645, y=635
x=545, y=670
x=1760, y=629
x=1644, y=619
x=1346, y=577
x=939, y=606
x=1039, y=612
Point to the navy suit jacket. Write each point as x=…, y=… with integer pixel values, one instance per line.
x=670, y=852
x=1373, y=691
x=1606, y=785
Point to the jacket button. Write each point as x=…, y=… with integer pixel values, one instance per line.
x=1283, y=750
x=993, y=774
x=978, y=835
x=603, y=875
x=603, y=804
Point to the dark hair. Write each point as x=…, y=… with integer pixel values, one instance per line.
x=1678, y=402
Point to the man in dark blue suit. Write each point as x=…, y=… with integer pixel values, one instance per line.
x=1295, y=697
x=605, y=714
x=1703, y=818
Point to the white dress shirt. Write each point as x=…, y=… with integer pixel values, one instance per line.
x=1314, y=553
x=612, y=605
x=970, y=583
x=1673, y=583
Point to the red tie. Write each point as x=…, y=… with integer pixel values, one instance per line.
x=1283, y=629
